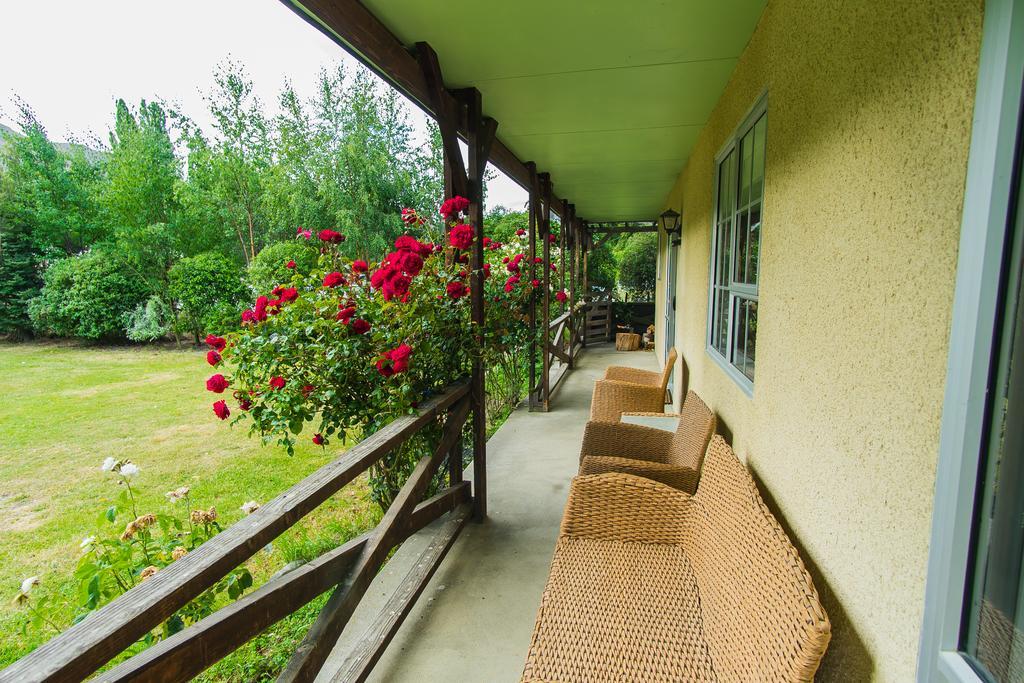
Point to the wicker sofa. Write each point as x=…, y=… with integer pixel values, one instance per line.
x=651, y=584
x=626, y=389
x=671, y=458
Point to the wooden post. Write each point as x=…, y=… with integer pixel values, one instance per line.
x=563, y=235
x=532, y=211
x=585, y=239
x=481, y=135
x=545, y=231
x=571, y=239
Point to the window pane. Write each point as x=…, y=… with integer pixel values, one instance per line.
x=744, y=335
x=757, y=170
x=754, y=243
x=746, y=156
x=740, y=274
x=995, y=636
x=721, y=312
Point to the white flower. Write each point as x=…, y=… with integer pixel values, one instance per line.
x=108, y=464
x=177, y=494
x=129, y=470
x=250, y=507
x=87, y=542
x=28, y=584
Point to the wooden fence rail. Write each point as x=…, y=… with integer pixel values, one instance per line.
x=85, y=647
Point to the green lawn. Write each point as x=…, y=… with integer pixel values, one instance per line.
x=65, y=408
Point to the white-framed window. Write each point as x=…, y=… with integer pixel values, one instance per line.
x=736, y=248
x=973, y=625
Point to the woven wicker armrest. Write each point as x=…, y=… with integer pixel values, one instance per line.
x=626, y=508
x=612, y=398
x=677, y=476
x=650, y=414
x=625, y=441
x=634, y=375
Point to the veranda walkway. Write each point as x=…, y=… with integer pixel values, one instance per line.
x=474, y=620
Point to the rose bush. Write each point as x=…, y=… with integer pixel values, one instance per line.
x=348, y=346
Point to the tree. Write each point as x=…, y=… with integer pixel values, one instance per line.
x=20, y=280
x=142, y=169
x=637, y=257
x=50, y=193
x=501, y=224
x=208, y=290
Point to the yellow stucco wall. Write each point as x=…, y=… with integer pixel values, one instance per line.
x=869, y=112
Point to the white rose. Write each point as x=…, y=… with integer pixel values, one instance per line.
x=28, y=584
x=129, y=470
x=108, y=464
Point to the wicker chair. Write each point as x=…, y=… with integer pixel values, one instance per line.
x=651, y=584
x=626, y=390
x=671, y=458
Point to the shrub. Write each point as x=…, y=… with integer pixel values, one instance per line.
x=88, y=296
x=350, y=346
x=149, y=321
x=206, y=288
x=270, y=267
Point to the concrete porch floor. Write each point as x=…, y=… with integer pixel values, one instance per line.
x=473, y=622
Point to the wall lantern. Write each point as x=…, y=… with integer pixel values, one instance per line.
x=670, y=223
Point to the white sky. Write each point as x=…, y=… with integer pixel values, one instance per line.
x=70, y=60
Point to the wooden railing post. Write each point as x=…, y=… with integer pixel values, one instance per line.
x=481, y=135
x=533, y=211
x=545, y=232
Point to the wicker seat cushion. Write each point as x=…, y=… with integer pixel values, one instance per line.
x=615, y=611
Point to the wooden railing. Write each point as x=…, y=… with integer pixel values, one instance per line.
x=598, y=325
x=87, y=646
x=560, y=349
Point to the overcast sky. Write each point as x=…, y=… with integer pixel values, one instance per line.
x=69, y=60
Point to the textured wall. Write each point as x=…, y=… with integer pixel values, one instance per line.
x=869, y=111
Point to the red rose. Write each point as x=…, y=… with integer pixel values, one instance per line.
x=290, y=264
x=212, y=357
x=318, y=439
x=561, y=296
x=535, y=283
x=553, y=238
x=245, y=404
x=216, y=342
x=397, y=287
x=554, y=267
x=409, y=261
x=538, y=259
x=260, y=310
x=400, y=357
x=385, y=367
x=381, y=276
x=333, y=279
x=345, y=314
x=359, y=326
x=456, y=290
x=520, y=232
x=217, y=384
x=454, y=206
x=505, y=260
x=289, y=294
x=426, y=249
x=277, y=382
x=220, y=409
x=359, y=266
x=307, y=389
x=410, y=217
x=332, y=236
x=248, y=317
x=407, y=243
x=461, y=236
x=487, y=270
x=487, y=241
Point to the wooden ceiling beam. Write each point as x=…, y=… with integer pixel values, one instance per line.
x=365, y=37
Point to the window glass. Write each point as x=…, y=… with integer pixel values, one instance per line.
x=995, y=610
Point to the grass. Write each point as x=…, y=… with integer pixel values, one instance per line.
x=66, y=408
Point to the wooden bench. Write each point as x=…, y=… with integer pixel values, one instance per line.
x=671, y=458
x=651, y=584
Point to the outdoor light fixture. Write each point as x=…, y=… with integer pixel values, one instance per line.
x=670, y=222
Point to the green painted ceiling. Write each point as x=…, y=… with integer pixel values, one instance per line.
x=607, y=96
